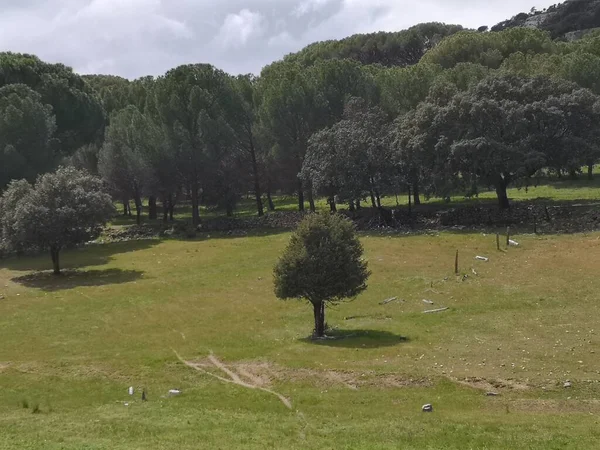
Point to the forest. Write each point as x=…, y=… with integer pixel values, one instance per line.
x=432, y=110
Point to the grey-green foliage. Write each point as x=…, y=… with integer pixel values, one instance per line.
x=62, y=209
x=488, y=49
x=27, y=128
x=322, y=263
x=502, y=130
x=351, y=158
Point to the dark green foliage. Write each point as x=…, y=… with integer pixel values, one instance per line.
x=322, y=263
x=62, y=209
x=79, y=114
x=27, y=126
x=193, y=103
x=124, y=159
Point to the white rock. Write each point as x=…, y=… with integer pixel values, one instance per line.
x=427, y=408
x=174, y=392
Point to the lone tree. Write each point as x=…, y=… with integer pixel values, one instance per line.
x=322, y=263
x=61, y=209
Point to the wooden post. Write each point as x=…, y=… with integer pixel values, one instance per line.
x=456, y=263
x=534, y=224
x=498, y=240
x=507, y=237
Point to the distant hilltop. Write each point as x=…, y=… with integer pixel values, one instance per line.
x=568, y=20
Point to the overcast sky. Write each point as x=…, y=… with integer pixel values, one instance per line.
x=133, y=38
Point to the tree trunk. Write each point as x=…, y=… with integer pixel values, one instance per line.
x=152, y=209
x=332, y=206
x=409, y=202
x=378, y=198
x=300, y=196
x=138, y=209
x=590, y=171
x=351, y=206
x=125, y=207
x=270, y=201
x=54, y=254
x=319, y=313
x=358, y=205
x=373, y=199
x=195, y=204
x=416, y=193
x=269, y=198
x=229, y=209
x=165, y=204
x=502, y=196
x=171, y=207
x=311, y=200
x=257, y=193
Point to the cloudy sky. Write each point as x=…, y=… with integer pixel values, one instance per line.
x=133, y=38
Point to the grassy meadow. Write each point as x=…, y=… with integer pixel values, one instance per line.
x=134, y=313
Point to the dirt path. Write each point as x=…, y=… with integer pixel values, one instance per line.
x=234, y=378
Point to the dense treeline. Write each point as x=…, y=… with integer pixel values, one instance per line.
x=433, y=110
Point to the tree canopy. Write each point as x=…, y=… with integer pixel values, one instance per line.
x=323, y=263
x=61, y=209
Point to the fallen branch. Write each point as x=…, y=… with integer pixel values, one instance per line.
x=435, y=310
x=234, y=378
x=389, y=300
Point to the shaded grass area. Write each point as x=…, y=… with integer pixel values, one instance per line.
x=527, y=321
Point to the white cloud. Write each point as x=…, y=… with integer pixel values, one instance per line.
x=133, y=38
x=309, y=6
x=238, y=28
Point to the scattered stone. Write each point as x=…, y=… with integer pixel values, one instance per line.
x=513, y=243
x=482, y=258
x=427, y=408
x=567, y=384
x=173, y=392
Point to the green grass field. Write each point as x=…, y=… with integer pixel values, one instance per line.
x=526, y=323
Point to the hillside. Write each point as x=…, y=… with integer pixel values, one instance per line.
x=402, y=48
x=567, y=20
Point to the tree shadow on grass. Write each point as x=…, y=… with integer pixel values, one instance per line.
x=70, y=279
x=359, y=339
x=89, y=255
